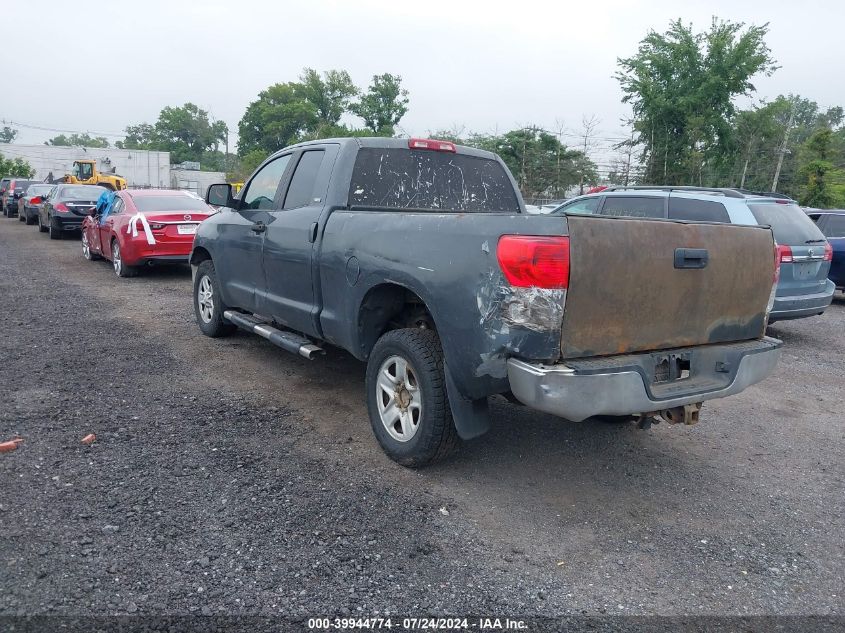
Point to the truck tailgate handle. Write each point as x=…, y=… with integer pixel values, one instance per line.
x=691, y=257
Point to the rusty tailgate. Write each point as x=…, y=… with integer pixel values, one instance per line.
x=626, y=295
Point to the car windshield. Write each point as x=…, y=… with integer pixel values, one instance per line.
x=429, y=180
x=85, y=192
x=147, y=204
x=789, y=223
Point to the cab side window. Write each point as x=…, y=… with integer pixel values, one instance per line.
x=117, y=206
x=261, y=190
x=301, y=190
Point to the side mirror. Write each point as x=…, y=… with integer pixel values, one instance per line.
x=220, y=195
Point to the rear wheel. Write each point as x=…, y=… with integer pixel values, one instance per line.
x=406, y=398
x=208, y=304
x=27, y=218
x=21, y=216
x=120, y=269
x=55, y=229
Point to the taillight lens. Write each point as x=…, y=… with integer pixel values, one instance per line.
x=784, y=254
x=534, y=260
x=828, y=252
x=61, y=206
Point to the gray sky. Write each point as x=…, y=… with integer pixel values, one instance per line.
x=483, y=66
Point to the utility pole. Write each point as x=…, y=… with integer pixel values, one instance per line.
x=783, y=150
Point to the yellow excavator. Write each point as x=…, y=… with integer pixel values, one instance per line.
x=85, y=172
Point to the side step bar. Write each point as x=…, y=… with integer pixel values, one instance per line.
x=288, y=341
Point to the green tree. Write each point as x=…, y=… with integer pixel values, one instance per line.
x=140, y=136
x=16, y=167
x=821, y=178
x=383, y=105
x=681, y=86
x=78, y=140
x=187, y=132
x=8, y=135
x=330, y=95
x=280, y=116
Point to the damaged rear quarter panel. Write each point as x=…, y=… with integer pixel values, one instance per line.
x=449, y=261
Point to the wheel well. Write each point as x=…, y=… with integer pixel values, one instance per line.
x=199, y=255
x=390, y=307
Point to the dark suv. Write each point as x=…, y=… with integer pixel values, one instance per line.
x=14, y=191
x=832, y=225
x=65, y=208
x=803, y=288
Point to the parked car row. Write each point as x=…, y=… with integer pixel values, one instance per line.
x=130, y=228
x=804, y=288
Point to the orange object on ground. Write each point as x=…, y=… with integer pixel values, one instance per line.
x=89, y=439
x=8, y=447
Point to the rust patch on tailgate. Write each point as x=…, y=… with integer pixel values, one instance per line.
x=626, y=295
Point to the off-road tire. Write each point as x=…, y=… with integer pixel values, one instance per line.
x=215, y=326
x=436, y=437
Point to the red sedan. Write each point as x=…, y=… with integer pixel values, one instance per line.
x=143, y=227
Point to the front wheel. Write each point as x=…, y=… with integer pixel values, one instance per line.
x=208, y=304
x=87, y=253
x=406, y=398
x=41, y=227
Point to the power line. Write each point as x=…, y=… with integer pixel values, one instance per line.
x=51, y=129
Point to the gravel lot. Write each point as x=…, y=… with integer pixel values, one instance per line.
x=231, y=478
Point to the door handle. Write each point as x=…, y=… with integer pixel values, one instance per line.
x=258, y=227
x=691, y=257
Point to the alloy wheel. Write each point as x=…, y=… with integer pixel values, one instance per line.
x=399, y=398
x=205, y=299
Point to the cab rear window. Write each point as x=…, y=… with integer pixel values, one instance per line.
x=790, y=225
x=430, y=181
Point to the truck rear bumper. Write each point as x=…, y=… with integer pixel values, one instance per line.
x=622, y=385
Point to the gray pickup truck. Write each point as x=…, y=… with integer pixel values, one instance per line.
x=416, y=256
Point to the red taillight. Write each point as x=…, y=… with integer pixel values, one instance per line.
x=428, y=143
x=534, y=260
x=784, y=254
x=35, y=200
x=828, y=252
x=61, y=206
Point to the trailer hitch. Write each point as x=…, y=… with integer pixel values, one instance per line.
x=687, y=414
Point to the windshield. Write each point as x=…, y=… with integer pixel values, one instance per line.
x=437, y=181
x=85, y=192
x=789, y=223
x=147, y=204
